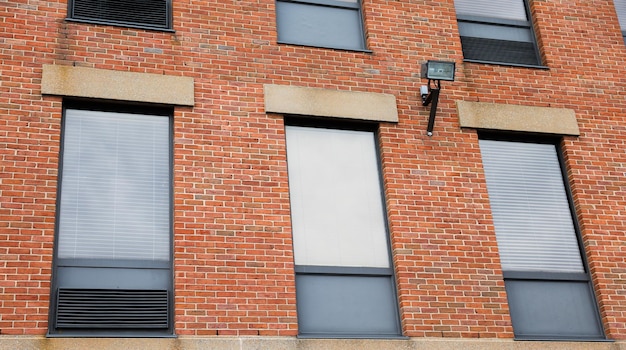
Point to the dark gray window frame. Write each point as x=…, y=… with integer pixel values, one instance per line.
x=498, y=22
x=511, y=277
x=73, y=16
x=310, y=270
x=329, y=4
x=109, y=266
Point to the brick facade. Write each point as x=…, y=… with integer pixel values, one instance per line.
x=233, y=256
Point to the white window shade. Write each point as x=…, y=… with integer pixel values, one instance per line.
x=505, y=9
x=531, y=213
x=336, y=198
x=115, y=189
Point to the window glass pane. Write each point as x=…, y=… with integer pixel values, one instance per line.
x=115, y=186
x=315, y=25
x=553, y=310
x=532, y=218
x=336, y=200
x=343, y=305
x=506, y=9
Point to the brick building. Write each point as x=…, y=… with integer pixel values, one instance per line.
x=185, y=174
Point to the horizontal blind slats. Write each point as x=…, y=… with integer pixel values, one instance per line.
x=531, y=214
x=115, y=186
x=507, y=9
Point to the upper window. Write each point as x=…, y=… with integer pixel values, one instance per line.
x=322, y=23
x=548, y=287
x=150, y=14
x=113, y=271
x=344, y=280
x=497, y=31
x=620, y=6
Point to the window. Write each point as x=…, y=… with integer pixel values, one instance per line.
x=113, y=272
x=149, y=14
x=546, y=280
x=497, y=32
x=322, y=23
x=344, y=280
x=620, y=6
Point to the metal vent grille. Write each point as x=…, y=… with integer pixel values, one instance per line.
x=504, y=51
x=148, y=13
x=112, y=308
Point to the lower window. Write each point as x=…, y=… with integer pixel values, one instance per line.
x=546, y=279
x=344, y=280
x=112, y=264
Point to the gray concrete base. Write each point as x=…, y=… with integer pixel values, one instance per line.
x=288, y=343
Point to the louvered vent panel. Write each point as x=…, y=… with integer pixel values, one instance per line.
x=150, y=13
x=499, y=51
x=112, y=308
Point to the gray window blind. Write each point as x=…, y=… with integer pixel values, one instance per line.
x=532, y=218
x=505, y=9
x=115, y=186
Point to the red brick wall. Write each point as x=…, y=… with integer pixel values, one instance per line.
x=233, y=257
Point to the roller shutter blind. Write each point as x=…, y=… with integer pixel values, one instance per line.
x=531, y=213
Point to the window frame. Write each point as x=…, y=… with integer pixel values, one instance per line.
x=156, y=267
x=71, y=17
x=507, y=23
x=338, y=4
x=350, y=271
x=551, y=276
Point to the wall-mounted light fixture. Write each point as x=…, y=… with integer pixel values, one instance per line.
x=435, y=72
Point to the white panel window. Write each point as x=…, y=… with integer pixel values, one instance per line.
x=337, y=210
x=339, y=233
